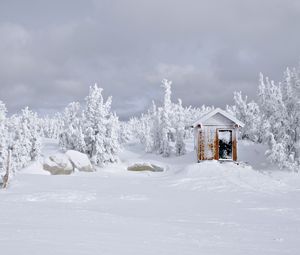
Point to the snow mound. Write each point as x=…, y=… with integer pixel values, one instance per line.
x=80, y=161
x=227, y=176
x=254, y=154
x=58, y=164
x=145, y=167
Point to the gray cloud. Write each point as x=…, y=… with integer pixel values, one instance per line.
x=52, y=51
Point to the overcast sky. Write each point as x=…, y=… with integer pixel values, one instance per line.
x=52, y=51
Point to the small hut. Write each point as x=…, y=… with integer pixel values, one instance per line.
x=216, y=135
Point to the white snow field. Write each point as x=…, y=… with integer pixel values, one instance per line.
x=205, y=208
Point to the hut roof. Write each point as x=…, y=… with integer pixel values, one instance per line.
x=212, y=113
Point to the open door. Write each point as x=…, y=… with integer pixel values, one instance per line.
x=225, y=144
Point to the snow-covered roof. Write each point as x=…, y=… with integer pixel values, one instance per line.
x=212, y=113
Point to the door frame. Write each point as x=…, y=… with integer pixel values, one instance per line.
x=232, y=145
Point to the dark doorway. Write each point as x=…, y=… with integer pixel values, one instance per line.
x=225, y=144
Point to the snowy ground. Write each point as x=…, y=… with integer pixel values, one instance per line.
x=206, y=208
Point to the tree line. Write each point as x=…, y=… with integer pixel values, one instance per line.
x=94, y=129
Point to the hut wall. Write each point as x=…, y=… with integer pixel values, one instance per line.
x=208, y=143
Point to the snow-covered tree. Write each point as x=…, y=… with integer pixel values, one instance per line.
x=248, y=113
x=272, y=107
x=101, y=128
x=29, y=121
x=180, y=129
x=275, y=120
x=51, y=127
x=3, y=137
x=165, y=148
x=125, y=132
x=70, y=134
x=155, y=118
x=23, y=138
x=162, y=129
x=291, y=98
x=111, y=142
x=79, y=141
x=92, y=129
